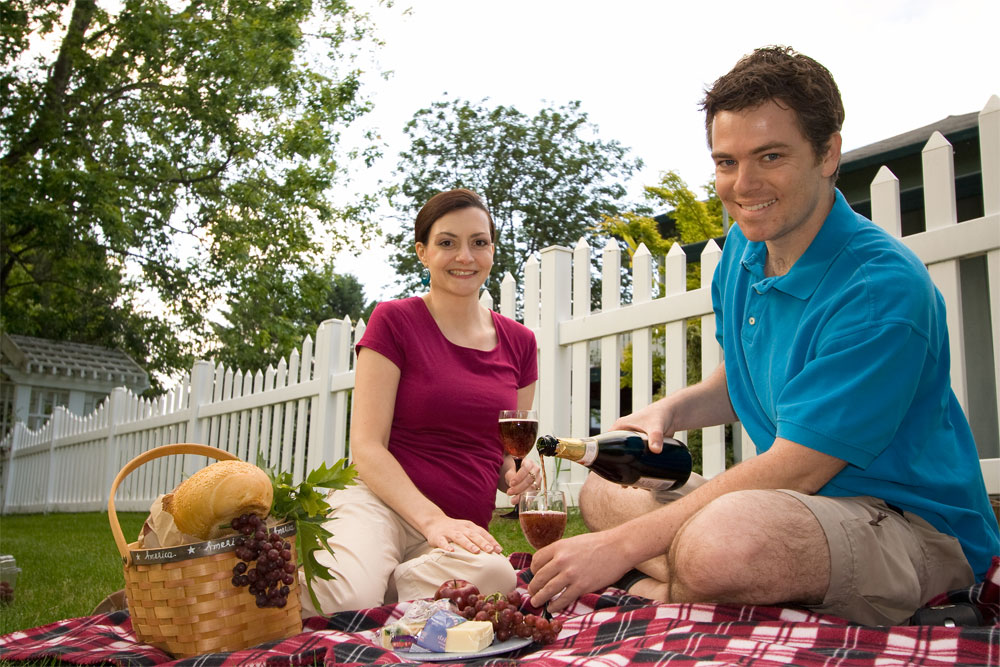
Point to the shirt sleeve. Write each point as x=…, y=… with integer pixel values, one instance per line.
x=850, y=400
x=383, y=336
x=529, y=359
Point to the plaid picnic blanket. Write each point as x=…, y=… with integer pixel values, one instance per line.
x=607, y=628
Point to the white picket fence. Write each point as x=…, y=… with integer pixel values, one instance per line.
x=296, y=415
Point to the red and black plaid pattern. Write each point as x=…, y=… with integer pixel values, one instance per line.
x=600, y=629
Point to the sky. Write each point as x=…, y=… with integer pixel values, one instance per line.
x=640, y=68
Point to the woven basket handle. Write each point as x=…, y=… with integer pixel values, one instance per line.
x=145, y=457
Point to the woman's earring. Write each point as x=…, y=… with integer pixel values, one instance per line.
x=425, y=277
x=486, y=283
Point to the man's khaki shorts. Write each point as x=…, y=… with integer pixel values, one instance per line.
x=884, y=563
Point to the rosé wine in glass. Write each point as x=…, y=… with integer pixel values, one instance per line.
x=518, y=430
x=543, y=517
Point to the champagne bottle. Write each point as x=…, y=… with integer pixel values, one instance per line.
x=623, y=457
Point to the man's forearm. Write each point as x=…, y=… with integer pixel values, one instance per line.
x=703, y=404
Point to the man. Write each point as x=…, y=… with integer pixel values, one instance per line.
x=866, y=497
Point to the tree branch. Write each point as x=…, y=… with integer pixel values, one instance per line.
x=51, y=114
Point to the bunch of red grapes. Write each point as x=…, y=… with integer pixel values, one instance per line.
x=273, y=572
x=504, y=612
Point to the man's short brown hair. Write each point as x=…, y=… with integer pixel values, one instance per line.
x=791, y=80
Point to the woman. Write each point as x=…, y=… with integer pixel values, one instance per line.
x=432, y=374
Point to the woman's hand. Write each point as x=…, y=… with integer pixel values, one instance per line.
x=526, y=479
x=445, y=533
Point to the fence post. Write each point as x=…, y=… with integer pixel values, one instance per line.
x=642, y=347
x=554, y=368
x=115, y=414
x=328, y=414
x=940, y=211
x=938, y=158
x=675, y=333
x=713, y=438
x=885, y=202
x=989, y=154
x=580, y=353
x=579, y=363
x=16, y=437
x=56, y=423
x=508, y=296
x=611, y=298
x=531, y=293
x=532, y=312
x=202, y=388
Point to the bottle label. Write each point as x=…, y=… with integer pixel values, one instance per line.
x=653, y=484
x=590, y=453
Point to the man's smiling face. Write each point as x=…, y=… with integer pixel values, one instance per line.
x=768, y=176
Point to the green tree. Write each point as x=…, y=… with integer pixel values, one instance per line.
x=152, y=153
x=275, y=313
x=694, y=220
x=546, y=179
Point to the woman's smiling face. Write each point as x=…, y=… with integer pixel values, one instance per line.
x=459, y=251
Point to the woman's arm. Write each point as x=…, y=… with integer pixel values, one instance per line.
x=376, y=381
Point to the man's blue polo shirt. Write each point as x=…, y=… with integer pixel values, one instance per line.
x=848, y=354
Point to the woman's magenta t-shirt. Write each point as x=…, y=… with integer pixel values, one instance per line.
x=444, y=426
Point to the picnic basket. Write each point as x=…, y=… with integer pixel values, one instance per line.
x=181, y=599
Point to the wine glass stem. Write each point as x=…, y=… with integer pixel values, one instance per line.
x=514, y=513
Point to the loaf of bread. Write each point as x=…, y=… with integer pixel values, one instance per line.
x=216, y=494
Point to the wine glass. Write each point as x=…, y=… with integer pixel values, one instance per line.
x=518, y=430
x=542, y=514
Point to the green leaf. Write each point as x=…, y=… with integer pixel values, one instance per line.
x=337, y=477
x=309, y=509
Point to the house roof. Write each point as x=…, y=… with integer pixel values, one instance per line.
x=54, y=357
x=954, y=128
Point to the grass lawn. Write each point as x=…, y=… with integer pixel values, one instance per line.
x=69, y=562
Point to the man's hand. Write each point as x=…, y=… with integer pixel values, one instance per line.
x=704, y=404
x=562, y=574
x=654, y=420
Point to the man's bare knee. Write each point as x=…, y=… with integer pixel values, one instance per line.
x=754, y=547
x=698, y=559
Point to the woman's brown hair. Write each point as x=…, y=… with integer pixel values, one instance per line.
x=443, y=203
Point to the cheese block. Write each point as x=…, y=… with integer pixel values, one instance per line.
x=469, y=637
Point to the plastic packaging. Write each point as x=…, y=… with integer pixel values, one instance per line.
x=8, y=578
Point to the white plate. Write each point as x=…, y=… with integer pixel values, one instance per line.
x=493, y=649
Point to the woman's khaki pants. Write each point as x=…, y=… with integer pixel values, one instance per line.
x=380, y=559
